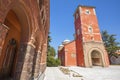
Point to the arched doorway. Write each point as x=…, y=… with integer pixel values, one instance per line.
x=11, y=45
x=17, y=34
x=25, y=33
x=96, y=58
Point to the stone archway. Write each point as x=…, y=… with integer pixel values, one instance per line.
x=96, y=58
x=14, y=47
x=11, y=45
x=23, y=23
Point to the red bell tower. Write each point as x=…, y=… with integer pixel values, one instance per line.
x=89, y=45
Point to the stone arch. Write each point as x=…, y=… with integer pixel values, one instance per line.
x=96, y=57
x=23, y=16
x=19, y=26
x=31, y=34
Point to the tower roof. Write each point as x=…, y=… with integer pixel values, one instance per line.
x=86, y=6
x=83, y=6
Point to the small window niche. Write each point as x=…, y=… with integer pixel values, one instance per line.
x=90, y=30
x=87, y=12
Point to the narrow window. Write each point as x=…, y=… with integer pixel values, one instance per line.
x=90, y=30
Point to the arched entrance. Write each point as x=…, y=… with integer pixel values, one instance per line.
x=23, y=30
x=17, y=34
x=11, y=45
x=96, y=58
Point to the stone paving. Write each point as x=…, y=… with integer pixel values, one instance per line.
x=95, y=73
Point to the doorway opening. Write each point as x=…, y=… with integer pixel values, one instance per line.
x=10, y=49
x=96, y=58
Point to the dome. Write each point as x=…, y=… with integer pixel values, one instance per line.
x=65, y=41
x=61, y=45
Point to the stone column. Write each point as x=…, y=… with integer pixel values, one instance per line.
x=43, y=62
x=37, y=64
x=3, y=31
x=25, y=61
x=43, y=58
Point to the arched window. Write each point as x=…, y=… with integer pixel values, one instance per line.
x=87, y=12
x=90, y=30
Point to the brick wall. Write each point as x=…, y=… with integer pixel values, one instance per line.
x=70, y=50
x=87, y=31
x=67, y=54
x=29, y=25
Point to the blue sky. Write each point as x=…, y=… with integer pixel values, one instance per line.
x=62, y=20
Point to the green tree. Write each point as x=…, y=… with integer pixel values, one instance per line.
x=51, y=60
x=57, y=62
x=51, y=51
x=48, y=42
x=110, y=43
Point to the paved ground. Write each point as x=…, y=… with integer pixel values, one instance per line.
x=95, y=73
